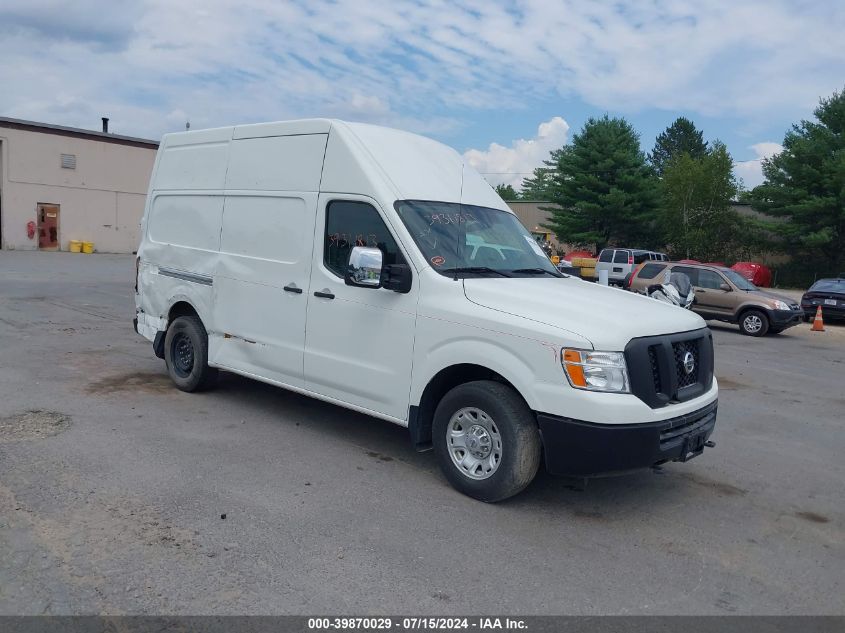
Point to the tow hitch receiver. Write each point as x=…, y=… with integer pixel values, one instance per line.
x=694, y=446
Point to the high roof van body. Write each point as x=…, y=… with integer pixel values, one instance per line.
x=373, y=269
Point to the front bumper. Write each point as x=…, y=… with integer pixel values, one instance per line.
x=586, y=449
x=782, y=319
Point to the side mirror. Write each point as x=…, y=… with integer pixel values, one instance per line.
x=364, y=267
x=725, y=287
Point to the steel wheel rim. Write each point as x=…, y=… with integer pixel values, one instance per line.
x=474, y=443
x=753, y=323
x=183, y=355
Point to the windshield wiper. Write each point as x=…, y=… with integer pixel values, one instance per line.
x=536, y=271
x=475, y=269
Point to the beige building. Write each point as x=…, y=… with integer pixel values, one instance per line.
x=531, y=214
x=59, y=184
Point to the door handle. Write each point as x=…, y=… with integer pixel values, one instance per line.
x=294, y=289
x=324, y=294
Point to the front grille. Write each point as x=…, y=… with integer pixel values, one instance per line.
x=655, y=367
x=681, y=349
x=657, y=370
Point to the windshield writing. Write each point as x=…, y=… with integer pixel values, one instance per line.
x=474, y=240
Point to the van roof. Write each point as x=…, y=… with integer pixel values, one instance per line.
x=361, y=158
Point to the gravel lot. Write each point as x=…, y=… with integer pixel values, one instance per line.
x=120, y=494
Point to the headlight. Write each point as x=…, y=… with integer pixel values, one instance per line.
x=595, y=371
x=781, y=305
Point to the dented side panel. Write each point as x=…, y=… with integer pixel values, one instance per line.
x=178, y=258
x=262, y=282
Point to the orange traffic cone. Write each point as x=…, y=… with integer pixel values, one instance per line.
x=818, y=323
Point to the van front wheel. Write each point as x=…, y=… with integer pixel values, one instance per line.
x=486, y=440
x=186, y=354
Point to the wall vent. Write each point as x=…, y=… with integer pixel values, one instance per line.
x=68, y=161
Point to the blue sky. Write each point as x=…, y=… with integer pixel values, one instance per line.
x=503, y=82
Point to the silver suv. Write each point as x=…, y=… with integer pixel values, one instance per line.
x=620, y=262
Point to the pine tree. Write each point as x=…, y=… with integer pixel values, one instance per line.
x=540, y=185
x=805, y=185
x=604, y=191
x=681, y=137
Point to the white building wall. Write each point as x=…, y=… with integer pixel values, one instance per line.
x=101, y=201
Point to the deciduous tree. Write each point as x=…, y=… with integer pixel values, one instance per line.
x=506, y=192
x=698, y=220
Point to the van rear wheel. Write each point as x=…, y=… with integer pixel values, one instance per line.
x=486, y=440
x=186, y=355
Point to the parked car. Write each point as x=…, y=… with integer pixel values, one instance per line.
x=375, y=270
x=568, y=257
x=758, y=274
x=618, y=262
x=827, y=293
x=723, y=294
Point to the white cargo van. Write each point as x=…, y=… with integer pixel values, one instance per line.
x=373, y=269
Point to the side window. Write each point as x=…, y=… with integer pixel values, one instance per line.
x=639, y=258
x=621, y=257
x=350, y=224
x=709, y=279
x=606, y=255
x=650, y=271
x=692, y=273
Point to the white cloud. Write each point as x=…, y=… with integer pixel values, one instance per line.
x=751, y=170
x=424, y=65
x=509, y=165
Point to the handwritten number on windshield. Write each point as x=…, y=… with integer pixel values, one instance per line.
x=451, y=218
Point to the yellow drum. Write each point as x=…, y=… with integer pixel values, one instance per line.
x=75, y=246
x=88, y=247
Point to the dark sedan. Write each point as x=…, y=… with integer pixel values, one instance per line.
x=827, y=293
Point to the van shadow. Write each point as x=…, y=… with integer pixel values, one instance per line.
x=381, y=438
x=721, y=326
x=607, y=498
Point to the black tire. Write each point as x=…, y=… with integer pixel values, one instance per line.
x=186, y=354
x=512, y=420
x=753, y=323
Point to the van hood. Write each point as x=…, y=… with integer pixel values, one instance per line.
x=608, y=317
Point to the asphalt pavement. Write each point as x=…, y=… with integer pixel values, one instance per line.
x=121, y=495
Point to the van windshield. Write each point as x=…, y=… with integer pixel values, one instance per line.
x=467, y=240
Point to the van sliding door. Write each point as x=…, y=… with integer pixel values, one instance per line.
x=266, y=242
x=261, y=281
